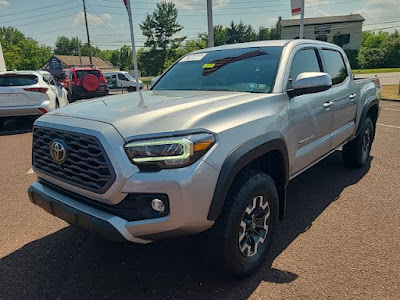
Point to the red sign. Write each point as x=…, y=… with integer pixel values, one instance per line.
x=296, y=7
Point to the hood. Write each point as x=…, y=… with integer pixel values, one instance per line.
x=163, y=111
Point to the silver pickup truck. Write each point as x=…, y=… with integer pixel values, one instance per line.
x=211, y=148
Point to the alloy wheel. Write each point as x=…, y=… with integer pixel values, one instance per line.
x=254, y=226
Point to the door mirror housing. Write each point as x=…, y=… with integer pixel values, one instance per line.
x=310, y=83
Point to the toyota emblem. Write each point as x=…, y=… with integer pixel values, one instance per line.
x=58, y=151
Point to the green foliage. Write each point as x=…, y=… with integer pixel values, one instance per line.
x=379, y=50
x=20, y=52
x=159, y=28
x=241, y=33
x=69, y=46
x=352, y=55
x=66, y=46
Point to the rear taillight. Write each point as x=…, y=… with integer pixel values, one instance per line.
x=40, y=90
x=43, y=110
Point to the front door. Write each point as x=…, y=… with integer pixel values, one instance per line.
x=310, y=118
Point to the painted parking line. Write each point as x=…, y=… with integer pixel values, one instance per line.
x=390, y=109
x=391, y=105
x=390, y=126
x=30, y=171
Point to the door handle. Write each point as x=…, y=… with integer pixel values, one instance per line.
x=327, y=104
x=352, y=96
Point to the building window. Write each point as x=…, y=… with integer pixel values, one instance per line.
x=341, y=39
x=323, y=38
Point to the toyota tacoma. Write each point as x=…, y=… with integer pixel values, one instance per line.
x=210, y=148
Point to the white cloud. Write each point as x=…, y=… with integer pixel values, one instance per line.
x=195, y=4
x=4, y=3
x=79, y=19
x=380, y=14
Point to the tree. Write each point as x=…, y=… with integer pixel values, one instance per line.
x=240, y=33
x=20, y=52
x=85, y=50
x=220, y=36
x=66, y=46
x=379, y=50
x=159, y=28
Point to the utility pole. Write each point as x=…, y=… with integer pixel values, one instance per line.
x=87, y=32
x=79, y=52
x=302, y=20
x=210, y=24
x=135, y=65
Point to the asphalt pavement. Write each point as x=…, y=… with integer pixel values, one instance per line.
x=392, y=78
x=340, y=238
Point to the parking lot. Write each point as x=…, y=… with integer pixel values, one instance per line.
x=340, y=238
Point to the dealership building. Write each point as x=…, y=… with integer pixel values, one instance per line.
x=341, y=30
x=57, y=63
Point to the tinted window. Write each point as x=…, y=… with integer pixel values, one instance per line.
x=82, y=73
x=121, y=77
x=304, y=61
x=335, y=66
x=17, y=80
x=245, y=70
x=63, y=76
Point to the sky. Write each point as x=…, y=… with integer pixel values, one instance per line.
x=45, y=20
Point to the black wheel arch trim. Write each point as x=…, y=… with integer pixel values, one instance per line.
x=242, y=156
x=364, y=114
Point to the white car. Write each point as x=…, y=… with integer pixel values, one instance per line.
x=121, y=79
x=29, y=93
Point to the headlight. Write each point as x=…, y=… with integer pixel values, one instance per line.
x=172, y=152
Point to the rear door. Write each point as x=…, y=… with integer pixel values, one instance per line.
x=15, y=90
x=344, y=99
x=310, y=120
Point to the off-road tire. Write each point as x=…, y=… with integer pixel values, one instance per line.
x=224, y=237
x=356, y=153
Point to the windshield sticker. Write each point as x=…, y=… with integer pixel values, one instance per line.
x=257, y=87
x=208, y=66
x=193, y=57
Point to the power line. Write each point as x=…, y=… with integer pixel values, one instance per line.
x=40, y=8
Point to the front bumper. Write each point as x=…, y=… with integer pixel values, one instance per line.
x=80, y=215
x=188, y=190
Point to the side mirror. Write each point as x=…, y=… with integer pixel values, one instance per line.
x=310, y=82
x=154, y=80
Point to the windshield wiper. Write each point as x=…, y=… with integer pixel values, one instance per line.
x=222, y=62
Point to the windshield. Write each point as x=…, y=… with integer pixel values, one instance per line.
x=129, y=77
x=17, y=80
x=243, y=70
x=82, y=73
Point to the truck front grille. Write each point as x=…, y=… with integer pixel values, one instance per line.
x=86, y=165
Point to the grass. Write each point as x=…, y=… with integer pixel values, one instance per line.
x=146, y=80
x=390, y=92
x=370, y=71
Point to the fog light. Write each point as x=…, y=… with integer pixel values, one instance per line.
x=157, y=205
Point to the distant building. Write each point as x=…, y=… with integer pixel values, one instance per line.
x=344, y=31
x=57, y=63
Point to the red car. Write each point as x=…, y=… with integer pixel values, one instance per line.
x=84, y=83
